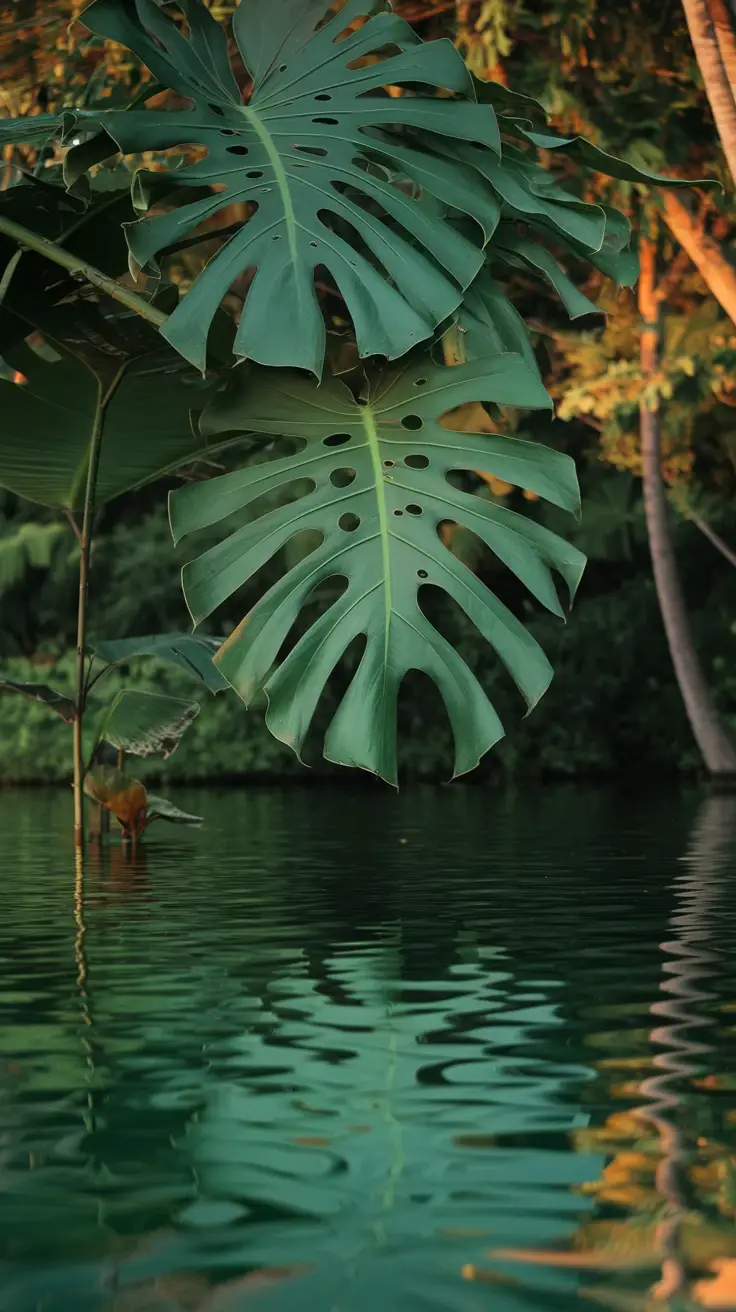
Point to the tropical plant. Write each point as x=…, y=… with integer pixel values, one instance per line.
x=361, y=177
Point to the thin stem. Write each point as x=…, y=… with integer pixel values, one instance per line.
x=74, y=526
x=95, y=449
x=32, y=241
x=714, y=537
x=8, y=272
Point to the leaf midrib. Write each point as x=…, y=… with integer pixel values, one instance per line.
x=372, y=438
x=282, y=181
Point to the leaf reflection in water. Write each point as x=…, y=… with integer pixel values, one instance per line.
x=193, y=1293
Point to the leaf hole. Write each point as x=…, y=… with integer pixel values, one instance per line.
x=413, y=509
x=283, y=68
x=323, y=96
x=422, y=574
x=349, y=522
x=216, y=109
x=343, y=477
x=227, y=132
x=412, y=422
x=313, y=243
x=380, y=53
x=237, y=150
x=311, y=150
x=276, y=237
x=398, y=513
x=389, y=464
x=254, y=173
x=330, y=122
x=420, y=382
x=416, y=461
x=336, y=439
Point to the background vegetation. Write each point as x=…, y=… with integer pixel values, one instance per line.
x=631, y=83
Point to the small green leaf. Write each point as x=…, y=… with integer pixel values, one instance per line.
x=161, y=809
x=146, y=723
x=190, y=652
x=41, y=692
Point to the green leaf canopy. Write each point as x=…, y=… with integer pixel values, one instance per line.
x=47, y=426
x=378, y=473
x=315, y=152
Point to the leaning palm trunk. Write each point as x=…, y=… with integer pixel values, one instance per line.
x=715, y=746
x=715, y=68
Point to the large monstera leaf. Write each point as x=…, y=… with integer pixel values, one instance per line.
x=378, y=471
x=314, y=154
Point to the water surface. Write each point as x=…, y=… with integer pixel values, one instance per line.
x=351, y=1052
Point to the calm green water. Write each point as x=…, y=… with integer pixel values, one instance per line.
x=347, y=1052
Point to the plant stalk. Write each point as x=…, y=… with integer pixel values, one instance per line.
x=716, y=747
x=85, y=543
x=714, y=538
x=32, y=241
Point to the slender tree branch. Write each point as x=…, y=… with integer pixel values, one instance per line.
x=714, y=538
x=32, y=241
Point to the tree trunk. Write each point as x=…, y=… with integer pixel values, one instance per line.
x=715, y=745
x=706, y=254
x=715, y=76
x=724, y=25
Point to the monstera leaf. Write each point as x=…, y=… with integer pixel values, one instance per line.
x=379, y=490
x=584, y=152
x=48, y=422
x=489, y=324
x=315, y=155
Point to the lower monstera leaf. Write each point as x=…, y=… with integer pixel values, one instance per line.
x=377, y=472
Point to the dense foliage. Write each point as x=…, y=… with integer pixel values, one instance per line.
x=630, y=89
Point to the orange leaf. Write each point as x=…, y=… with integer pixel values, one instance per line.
x=720, y=1291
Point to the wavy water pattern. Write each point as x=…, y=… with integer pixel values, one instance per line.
x=347, y=1052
